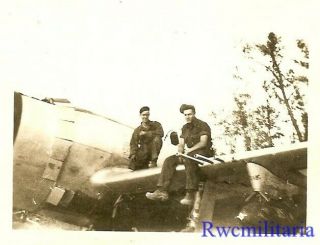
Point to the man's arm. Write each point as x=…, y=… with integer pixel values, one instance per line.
x=134, y=143
x=158, y=131
x=201, y=144
x=181, y=145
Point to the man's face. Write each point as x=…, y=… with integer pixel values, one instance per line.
x=145, y=116
x=189, y=115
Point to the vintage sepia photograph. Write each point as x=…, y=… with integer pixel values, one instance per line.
x=160, y=116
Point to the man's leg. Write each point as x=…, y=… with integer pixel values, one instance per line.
x=155, y=148
x=193, y=175
x=193, y=171
x=167, y=172
x=141, y=159
x=164, y=181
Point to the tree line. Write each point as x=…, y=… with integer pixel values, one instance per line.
x=283, y=113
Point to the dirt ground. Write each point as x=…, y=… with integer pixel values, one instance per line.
x=137, y=213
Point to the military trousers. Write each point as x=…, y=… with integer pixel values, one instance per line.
x=147, y=152
x=193, y=173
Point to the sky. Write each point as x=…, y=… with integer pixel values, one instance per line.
x=112, y=57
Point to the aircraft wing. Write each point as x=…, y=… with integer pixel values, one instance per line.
x=280, y=161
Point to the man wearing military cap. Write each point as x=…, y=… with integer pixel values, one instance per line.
x=146, y=142
x=195, y=139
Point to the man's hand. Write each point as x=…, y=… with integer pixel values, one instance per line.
x=188, y=150
x=132, y=157
x=180, y=158
x=142, y=133
x=180, y=149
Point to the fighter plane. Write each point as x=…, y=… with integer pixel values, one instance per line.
x=70, y=164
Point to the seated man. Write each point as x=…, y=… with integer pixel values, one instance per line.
x=146, y=142
x=196, y=136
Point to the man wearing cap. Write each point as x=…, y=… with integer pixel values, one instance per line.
x=146, y=142
x=195, y=139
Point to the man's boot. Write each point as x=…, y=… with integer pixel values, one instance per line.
x=190, y=227
x=152, y=164
x=188, y=198
x=158, y=195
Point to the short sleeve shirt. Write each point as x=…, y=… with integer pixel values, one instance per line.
x=191, y=133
